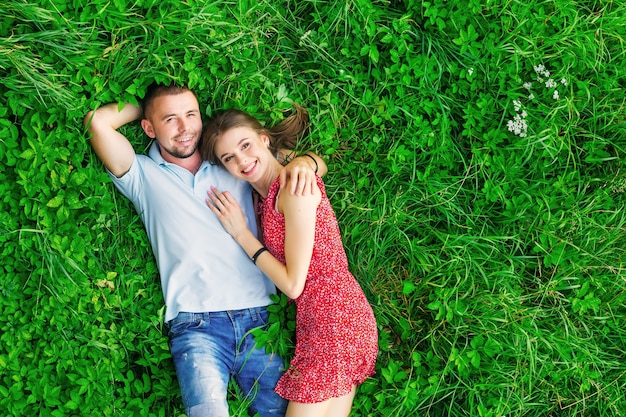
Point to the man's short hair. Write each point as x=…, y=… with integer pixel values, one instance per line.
x=155, y=90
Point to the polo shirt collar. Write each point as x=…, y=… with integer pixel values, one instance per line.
x=155, y=153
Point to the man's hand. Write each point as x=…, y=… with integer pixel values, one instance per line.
x=300, y=174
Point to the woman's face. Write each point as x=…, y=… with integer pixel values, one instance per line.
x=243, y=152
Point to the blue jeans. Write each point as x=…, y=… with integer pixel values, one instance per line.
x=210, y=348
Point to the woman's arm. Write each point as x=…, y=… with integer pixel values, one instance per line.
x=300, y=215
x=299, y=212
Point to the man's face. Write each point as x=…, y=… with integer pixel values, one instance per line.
x=175, y=122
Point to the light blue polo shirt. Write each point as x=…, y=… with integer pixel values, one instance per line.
x=202, y=268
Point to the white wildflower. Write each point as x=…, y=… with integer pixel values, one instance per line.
x=470, y=71
x=518, y=126
x=541, y=70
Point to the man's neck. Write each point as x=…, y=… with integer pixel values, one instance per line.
x=191, y=164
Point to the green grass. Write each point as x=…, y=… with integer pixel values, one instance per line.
x=494, y=261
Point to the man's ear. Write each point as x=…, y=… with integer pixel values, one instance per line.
x=147, y=127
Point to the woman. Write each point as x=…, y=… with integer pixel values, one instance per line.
x=336, y=335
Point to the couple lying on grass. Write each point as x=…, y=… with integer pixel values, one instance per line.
x=193, y=192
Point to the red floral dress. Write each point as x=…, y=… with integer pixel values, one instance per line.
x=336, y=335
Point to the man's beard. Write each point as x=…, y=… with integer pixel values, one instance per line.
x=180, y=155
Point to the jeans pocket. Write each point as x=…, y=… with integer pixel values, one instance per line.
x=180, y=327
x=263, y=316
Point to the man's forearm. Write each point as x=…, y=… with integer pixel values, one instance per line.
x=110, y=116
x=113, y=149
x=316, y=162
x=320, y=164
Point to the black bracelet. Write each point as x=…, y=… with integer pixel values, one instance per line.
x=314, y=161
x=257, y=254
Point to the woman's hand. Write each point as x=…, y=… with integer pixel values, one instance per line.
x=227, y=211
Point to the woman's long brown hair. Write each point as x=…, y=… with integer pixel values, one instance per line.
x=284, y=135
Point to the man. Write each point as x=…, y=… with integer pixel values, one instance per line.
x=213, y=292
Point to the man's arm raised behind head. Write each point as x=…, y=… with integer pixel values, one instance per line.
x=113, y=149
